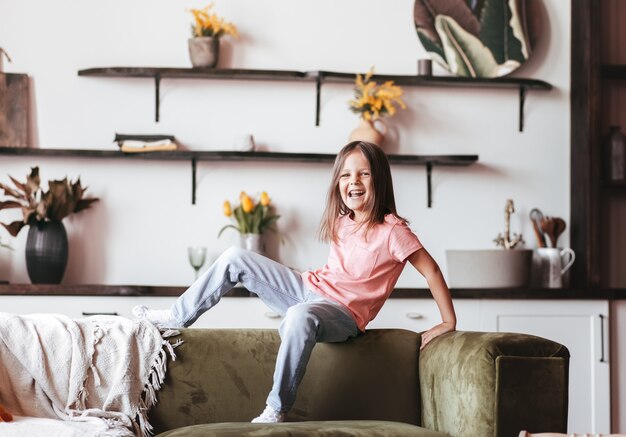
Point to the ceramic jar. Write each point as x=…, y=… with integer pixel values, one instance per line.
x=550, y=265
x=253, y=243
x=204, y=51
x=367, y=131
x=47, y=251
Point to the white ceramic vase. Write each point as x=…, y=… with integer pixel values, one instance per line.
x=253, y=243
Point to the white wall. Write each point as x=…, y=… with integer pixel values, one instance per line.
x=139, y=231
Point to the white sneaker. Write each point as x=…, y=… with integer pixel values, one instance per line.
x=269, y=415
x=159, y=318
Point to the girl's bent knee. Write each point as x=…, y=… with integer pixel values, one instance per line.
x=233, y=255
x=233, y=252
x=299, y=317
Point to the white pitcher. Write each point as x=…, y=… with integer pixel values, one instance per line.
x=549, y=266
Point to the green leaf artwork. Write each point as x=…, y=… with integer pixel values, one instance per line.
x=474, y=38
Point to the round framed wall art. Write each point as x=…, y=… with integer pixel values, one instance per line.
x=474, y=38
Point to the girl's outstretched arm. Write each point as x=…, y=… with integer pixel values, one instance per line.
x=426, y=265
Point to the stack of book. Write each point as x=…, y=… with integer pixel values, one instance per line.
x=145, y=143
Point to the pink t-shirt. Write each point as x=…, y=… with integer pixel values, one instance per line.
x=361, y=274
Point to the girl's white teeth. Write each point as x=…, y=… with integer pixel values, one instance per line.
x=355, y=193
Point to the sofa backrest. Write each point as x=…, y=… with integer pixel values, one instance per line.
x=225, y=375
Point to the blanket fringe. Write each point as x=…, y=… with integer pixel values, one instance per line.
x=81, y=402
x=83, y=394
x=155, y=380
x=167, y=333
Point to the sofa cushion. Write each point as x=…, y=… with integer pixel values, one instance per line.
x=344, y=428
x=225, y=375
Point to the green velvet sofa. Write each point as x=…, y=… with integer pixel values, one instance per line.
x=378, y=384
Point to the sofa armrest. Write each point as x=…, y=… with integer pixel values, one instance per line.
x=493, y=384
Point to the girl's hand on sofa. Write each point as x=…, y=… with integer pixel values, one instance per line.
x=426, y=265
x=435, y=332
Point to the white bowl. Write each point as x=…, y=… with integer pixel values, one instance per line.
x=489, y=268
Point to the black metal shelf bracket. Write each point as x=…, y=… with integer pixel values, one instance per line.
x=194, y=167
x=429, y=185
x=157, y=91
x=318, y=91
x=522, y=100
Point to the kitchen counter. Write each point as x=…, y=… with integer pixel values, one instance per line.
x=457, y=293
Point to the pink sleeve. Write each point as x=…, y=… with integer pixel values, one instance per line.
x=402, y=242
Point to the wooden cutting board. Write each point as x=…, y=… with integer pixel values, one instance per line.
x=14, y=106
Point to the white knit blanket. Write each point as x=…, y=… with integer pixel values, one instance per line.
x=102, y=370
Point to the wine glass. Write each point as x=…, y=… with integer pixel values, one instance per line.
x=197, y=257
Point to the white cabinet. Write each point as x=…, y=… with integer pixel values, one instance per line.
x=79, y=306
x=230, y=312
x=582, y=326
x=422, y=314
x=239, y=312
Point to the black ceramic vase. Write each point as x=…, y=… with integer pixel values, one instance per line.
x=46, y=252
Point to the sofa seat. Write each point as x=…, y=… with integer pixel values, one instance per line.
x=337, y=428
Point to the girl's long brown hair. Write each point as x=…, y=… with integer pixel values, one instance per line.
x=382, y=201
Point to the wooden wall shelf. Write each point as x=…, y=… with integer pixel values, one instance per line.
x=319, y=77
x=402, y=293
x=194, y=156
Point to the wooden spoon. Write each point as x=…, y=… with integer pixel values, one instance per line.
x=547, y=225
x=559, y=228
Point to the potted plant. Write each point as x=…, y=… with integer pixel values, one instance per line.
x=372, y=102
x=46, y=245
x=207, y=29
x=251, y=220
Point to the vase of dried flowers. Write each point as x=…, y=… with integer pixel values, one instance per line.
x=207, y=29
x=46, y=245
x=373, y=102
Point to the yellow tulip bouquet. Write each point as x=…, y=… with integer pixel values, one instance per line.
x=373, y=101
x=208, y=23
x=250, y=218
